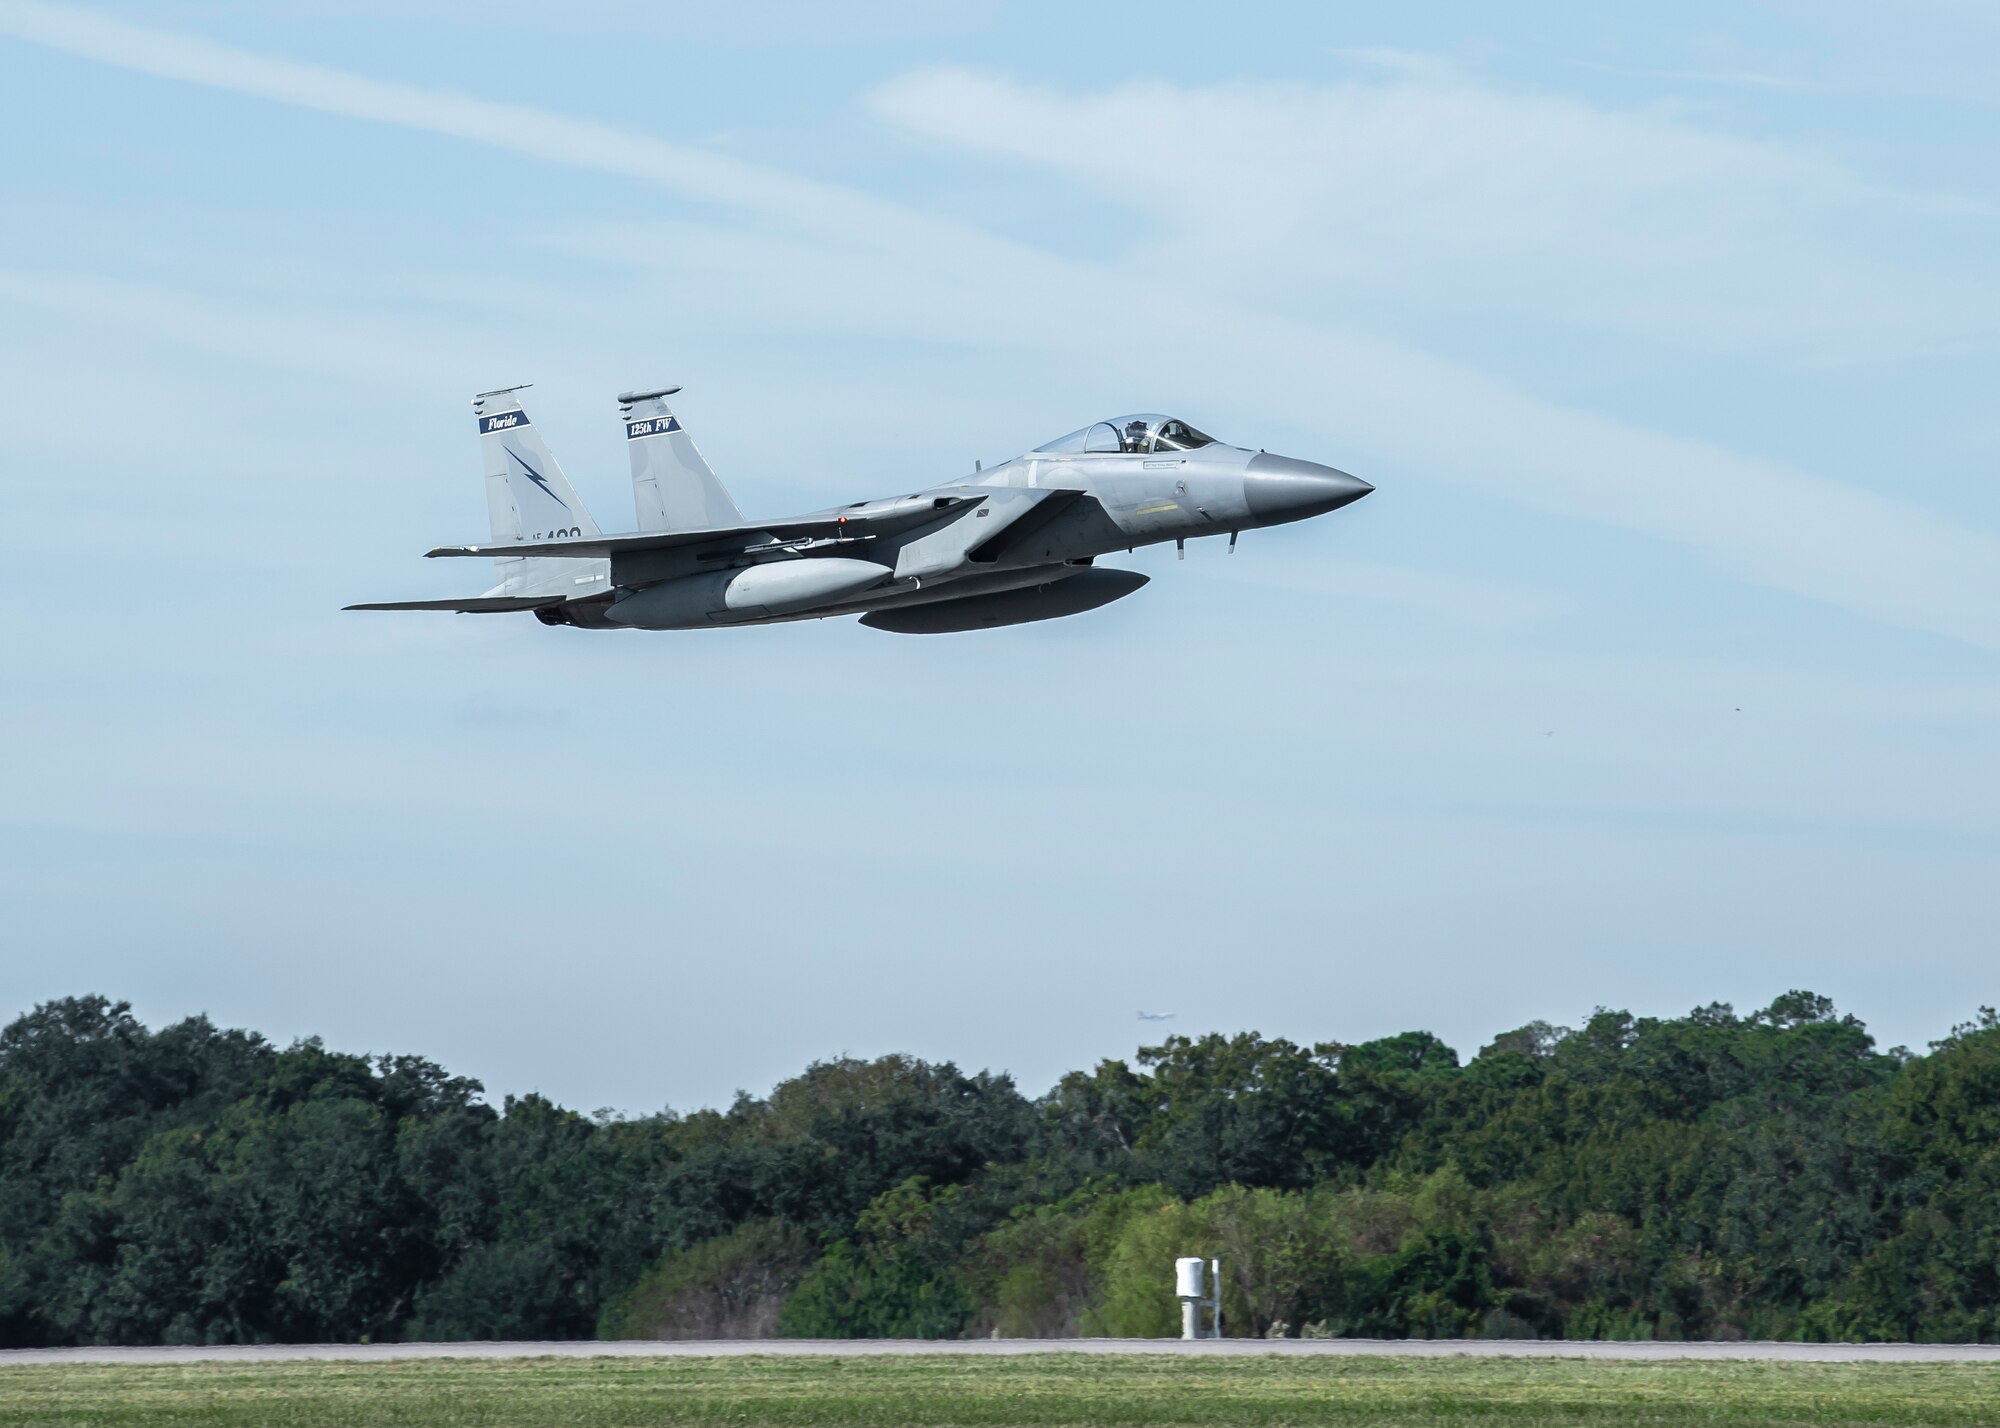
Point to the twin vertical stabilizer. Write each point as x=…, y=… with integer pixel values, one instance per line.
x=529, y=498
x=671, y=483
x=529, y=501
x=527, y=495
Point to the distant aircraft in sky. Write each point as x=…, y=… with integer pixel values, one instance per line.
x=1157, y=1016
x=1004, y=546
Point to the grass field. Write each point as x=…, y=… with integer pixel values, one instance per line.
x=1054, y=1389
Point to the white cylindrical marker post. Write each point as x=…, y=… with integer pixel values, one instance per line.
x=1187, y=1287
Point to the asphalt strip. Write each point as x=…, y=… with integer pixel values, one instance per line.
x=862, y=1348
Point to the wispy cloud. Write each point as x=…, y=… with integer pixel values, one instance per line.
x=831, y=254
x=520, y=129
x=1456, y=196
x=1408, y=64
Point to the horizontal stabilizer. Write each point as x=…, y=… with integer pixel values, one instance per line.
x=474, y=605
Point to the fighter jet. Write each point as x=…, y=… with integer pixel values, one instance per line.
x=1006, y=545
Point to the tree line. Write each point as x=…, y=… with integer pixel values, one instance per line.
x=1771, y=1175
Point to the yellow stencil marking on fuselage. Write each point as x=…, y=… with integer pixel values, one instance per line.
x=1155, y=510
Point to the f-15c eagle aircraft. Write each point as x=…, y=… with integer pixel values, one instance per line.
x=1004, y=546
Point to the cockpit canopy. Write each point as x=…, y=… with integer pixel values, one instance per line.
x=1140, y=432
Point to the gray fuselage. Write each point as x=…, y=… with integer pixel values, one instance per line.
x=1007, y=528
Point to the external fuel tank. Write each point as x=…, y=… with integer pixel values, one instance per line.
x=755, y=591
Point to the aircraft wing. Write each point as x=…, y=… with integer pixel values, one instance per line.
x=807, y=528
x=473, y=605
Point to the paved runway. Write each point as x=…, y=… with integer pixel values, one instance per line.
x=857, y=1348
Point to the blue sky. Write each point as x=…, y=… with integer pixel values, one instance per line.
x=1661, y=668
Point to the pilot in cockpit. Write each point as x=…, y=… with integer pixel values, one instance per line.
x=1137, y=436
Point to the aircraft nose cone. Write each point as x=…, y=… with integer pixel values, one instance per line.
x=1280, y=488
